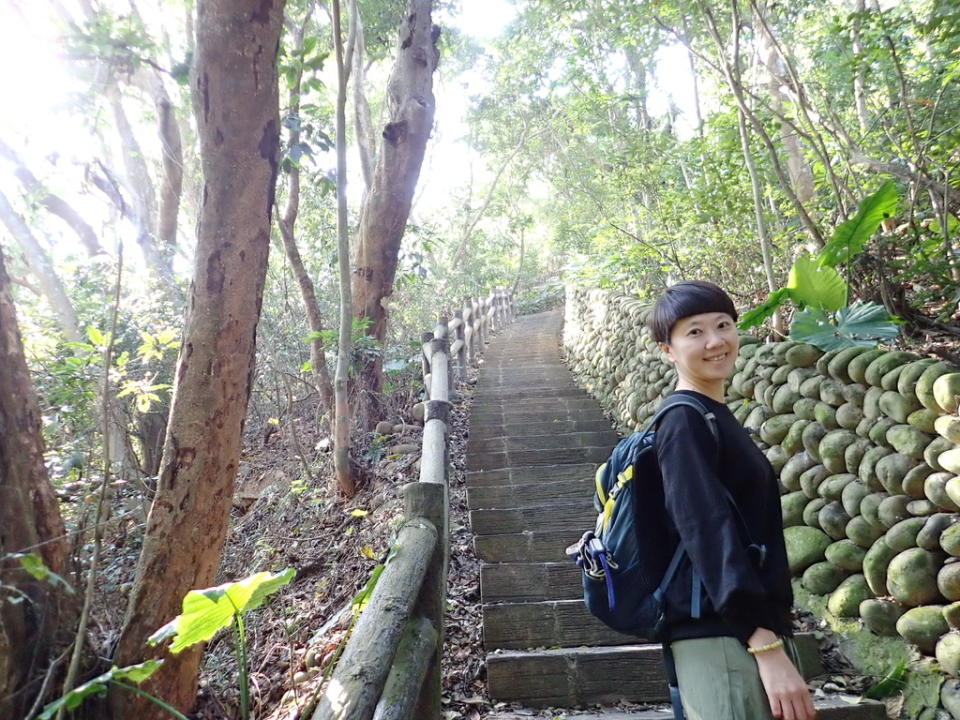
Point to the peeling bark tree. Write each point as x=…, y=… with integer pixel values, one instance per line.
x=29, y=515
x=410, y=107
x=235, y=100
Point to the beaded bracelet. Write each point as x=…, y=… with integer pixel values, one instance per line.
x=778, y=643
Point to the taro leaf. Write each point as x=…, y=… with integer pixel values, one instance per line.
x=850, y=237
x=361, y=599
x=73, y=699
x=206, y=612
x=33, y=564
x=814, y=285
x=891, y=684
x=762, y=312
x=861, y=324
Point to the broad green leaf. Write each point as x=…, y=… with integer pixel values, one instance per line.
x=96, y=338
x=861, y=324
x=206, y=612
x=73, y=699
x=849, y=238
x=815, y=285
x=891, y=684
x=762, y=312
x=361, y=599
x=33, y=564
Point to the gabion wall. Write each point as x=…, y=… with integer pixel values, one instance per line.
x=865, y=444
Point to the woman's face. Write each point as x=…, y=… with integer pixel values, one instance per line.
x=703, y=347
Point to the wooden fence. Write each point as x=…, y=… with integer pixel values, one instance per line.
x=390, y=668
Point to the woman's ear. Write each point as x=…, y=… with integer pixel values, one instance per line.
x=665, y=349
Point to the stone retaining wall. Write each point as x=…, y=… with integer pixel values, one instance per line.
x=865, y=444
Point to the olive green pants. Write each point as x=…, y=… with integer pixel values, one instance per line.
x=719, y=680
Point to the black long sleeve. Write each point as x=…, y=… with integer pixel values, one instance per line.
x=695, y=470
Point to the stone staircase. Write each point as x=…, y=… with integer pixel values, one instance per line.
x=535, y=441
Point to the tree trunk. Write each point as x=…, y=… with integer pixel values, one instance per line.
x=29, y=515
x=287, y=223
x=42, y=270
x=236, y=105
x=859, y=69
x=366, y=140
x=410, y=106
x=342, y=419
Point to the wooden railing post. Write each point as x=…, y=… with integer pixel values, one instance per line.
x=469, y=332
x=425, y=340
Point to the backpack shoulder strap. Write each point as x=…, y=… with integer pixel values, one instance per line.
x=676, y=400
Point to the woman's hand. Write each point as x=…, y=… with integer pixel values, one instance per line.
x=786, y=690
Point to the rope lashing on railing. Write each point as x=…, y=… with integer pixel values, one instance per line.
x=390, y=668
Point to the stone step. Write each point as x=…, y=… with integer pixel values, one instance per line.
x=607, y=438
x=575, y=516
x=518, y=430
x=559, y=456
x=566, y=677
x=530, y=582
x=532, y=547
x=530, y=494
x=529, y=405
x=521, y=415
x=530, y=474
x=831, y=707
x=556, y=623
x=531, y=392
x=571, y=677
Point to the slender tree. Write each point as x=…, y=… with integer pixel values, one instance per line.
x=236, y=107
x=29, y=522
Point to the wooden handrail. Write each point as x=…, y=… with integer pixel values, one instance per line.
x=390, y=668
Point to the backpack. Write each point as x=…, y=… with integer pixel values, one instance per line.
x=622, y=585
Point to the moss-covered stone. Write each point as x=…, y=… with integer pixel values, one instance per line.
x=876, y=561
x=948, y=655
x=950, y=460
x=867, y=468
x=838, y=366
x=878, y=431
x=794, y=468
x=811, y=513
x=898, y=407
x=822, y=578
x=792, y=506
x=775, y=428
x=889, y=381
x=884, y=363
x=823, y=363
x=758, y=416
x=831, y=392
x=833, y=520
x=951, y=613
x=892, y=510
x=870, y=509
x=871, y=403
x=929, y=537
x=880, y=616
x=912, y=577
x=924, y=388
x=846, y=554
x=946, y=392
x=796, y=377
x=778, y=457
x=783, y=399
x=903, y=535
x=937, y=447
x=854, y=453
x=863, y=533
x=948, y=581
x=923, y=626
x=907, y=382
x=857, y=367
x=891, y=470
x=811, y=437
x=805, y=408
x=908, y=440
x=849, y=416
x=948, y=426
x=810, y=388
x=826, y=415
x=845, y=600
x=832, y=487
x=852, y=495
x=935, y=488
x=914, y=481
x=950, y=539
x=853, y=393
x=803, y=355
x=811, y=479
x=921, y=508
x=832, y=449
x=923, y=419
x=805, y=546
x=793, y=441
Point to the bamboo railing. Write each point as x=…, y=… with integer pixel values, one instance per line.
x=390, y=667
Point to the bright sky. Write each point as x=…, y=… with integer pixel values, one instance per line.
x=37, y=87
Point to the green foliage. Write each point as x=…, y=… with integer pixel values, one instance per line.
x=851, y=237
x=813, y=283
x=98, y=686
x=34, y=565
x=862, y=324
x=206, y=612
x=891, y=684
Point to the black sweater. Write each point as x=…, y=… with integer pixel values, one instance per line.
x=739, y=595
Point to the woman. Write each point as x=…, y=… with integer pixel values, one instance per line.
x=728, y=609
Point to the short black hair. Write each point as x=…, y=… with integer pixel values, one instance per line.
x=683, y=300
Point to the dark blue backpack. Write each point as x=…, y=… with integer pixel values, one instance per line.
x=622, y=585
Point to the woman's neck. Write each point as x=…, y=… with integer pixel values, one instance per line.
x=714, y=391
